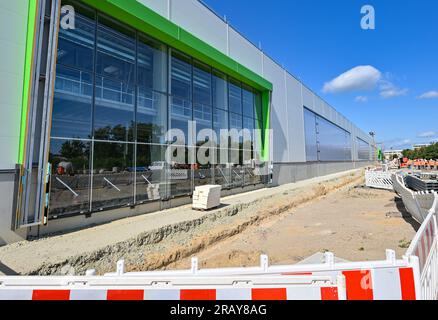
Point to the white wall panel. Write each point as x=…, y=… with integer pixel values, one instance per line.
x=297, y=148
x=308, y=100
x=245, y=52
x=13, y=28
x=279, y=119
x=197, y=19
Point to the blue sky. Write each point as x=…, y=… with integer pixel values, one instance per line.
x=394, y=93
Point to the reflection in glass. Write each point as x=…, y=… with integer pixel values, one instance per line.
x=333, y=141
x=220, y=91
x=325, y=141
x=113, y=111
x=69, y=191
x=363, y=150
x=76, y=46
x=151, y=173
x=310, y=135
x=235, y=96
x=221, y=123
x=222, y=172
x=151, y=116
x=116, y=51
x=113, y=175
x=118, y=91
x=181, y=76
x=71, y=115
x=248, y=102
x=152, y=65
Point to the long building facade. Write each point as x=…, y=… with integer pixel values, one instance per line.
x=114, y=108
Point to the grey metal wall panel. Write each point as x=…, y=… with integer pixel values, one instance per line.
x=308, y=100
x=295, y=119
x=245, y=52
x=13, y=22
x=279, y=118
x=197, y=19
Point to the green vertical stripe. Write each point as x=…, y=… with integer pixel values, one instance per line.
x=266, y=103
x=30, y=39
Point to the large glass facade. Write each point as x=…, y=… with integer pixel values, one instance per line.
x=117, y=93
x=363, y=150
x=325, y=141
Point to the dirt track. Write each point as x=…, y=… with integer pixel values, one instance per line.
x=356, y=224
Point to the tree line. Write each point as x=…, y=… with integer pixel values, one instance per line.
x=430, y=152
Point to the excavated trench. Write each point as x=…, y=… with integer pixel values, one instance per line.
x=162, y=247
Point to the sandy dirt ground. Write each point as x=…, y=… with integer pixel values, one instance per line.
x=289, y=223
x=355, y=223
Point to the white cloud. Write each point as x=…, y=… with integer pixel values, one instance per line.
x=357, y=79
x=361, y=99
x=429, y=95
x=389, y=90
x=428, y=134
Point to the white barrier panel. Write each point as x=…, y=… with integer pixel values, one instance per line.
x=425, y=247
x=378, y=179
x=408, y=197
x=388, y=279
x=182, y=288
x=426, y=200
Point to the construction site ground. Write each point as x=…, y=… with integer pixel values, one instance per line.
x=289, y=223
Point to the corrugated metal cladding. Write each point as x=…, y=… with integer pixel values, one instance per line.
x=289, y=95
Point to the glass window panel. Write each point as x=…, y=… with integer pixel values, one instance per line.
x=72, y=104
x=363, y=149
x=220, y=91
x=152, y=65
x=236, y=168
x=248, y=126
x=114, y=110
x=116, y=51
x=235, y=96
x=76, y=46
x=181, y=76
x=151, y=116
x=181, y=114
x=113, y=175
x=310, y=135
x=332, y=141
x=180, y=174
x=221, y=123
x=222, y=172
x=69, y=190
x=151, y=172
x=202, y=92
x=202, y=172
x=248, y=102
x=236, y=123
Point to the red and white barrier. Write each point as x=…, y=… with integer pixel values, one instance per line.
x=424, y=249
x=183, y=288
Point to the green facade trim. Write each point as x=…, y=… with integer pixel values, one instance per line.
x=28, y=63
x=266, y=103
